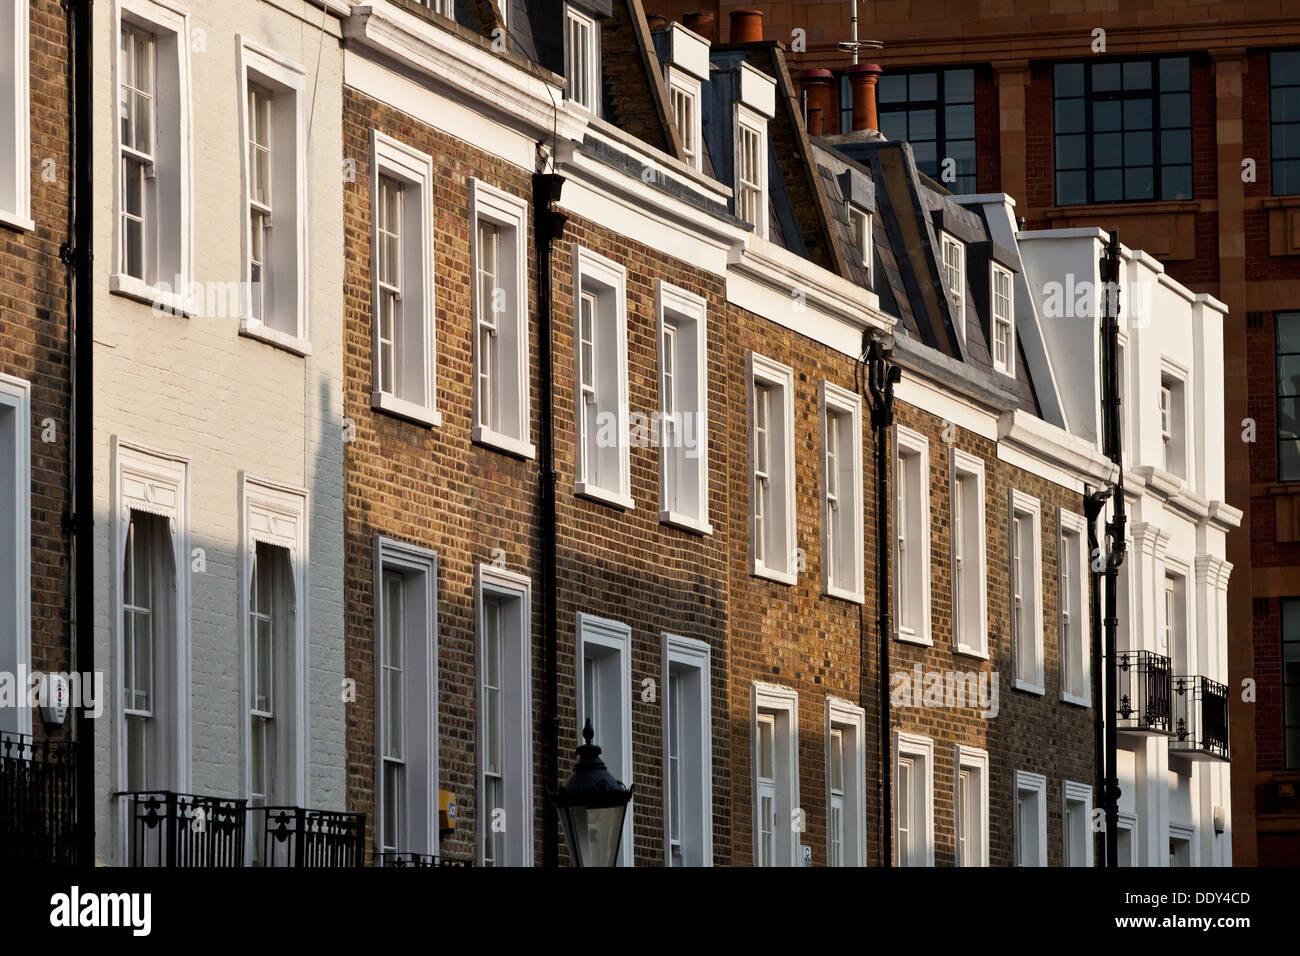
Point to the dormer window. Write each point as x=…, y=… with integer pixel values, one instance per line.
x=1004, y=334
x=954, y=269
x=582, y=59
x=684, y=95
x=860, y=228
x=751, y=169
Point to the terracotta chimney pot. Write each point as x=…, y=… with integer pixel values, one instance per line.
x=863, y=80
x=746, y=26
x=816, y=84
x=700, y=23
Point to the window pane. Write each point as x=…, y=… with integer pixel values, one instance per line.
x=1069, y=79
x=1105, y=116
x=1176, y=182
x=1175, y=109
x=1137, y=75
x=1069, y=116
x=1072, y=188
x=1288, y=332
x=892, y=88
x=1137, y=149
x=922, y=86
x=1174, y=73
x=959, y=121
x=1071, y=152
x=1105, y=77
x=959, y=86
x=1288, y=436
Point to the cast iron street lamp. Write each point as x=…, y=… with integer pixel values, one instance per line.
x=592, y=805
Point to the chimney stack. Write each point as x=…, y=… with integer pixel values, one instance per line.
x=700, y=23
x=816, y=85
x=656, y=21
x=746, y=26
x=862, y=77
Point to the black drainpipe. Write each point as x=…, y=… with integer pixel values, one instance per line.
x=1093, y=501
x=882, y=376
x=76, y=256
x=548, y=225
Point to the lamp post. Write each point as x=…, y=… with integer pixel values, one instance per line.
x=592, y=805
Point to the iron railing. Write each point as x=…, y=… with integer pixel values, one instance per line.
x=296, y=836
x=38, y=805
x=391, y=859
x=1200, y=718
x=1142, y=682
x=185, y=830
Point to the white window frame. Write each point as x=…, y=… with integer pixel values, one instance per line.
x=682, y=84
x=956, y=287
x=782, y=704
x=682, y=314
x=1185, y=833
x=612, y=637
x=591, y=67
x=1075, y=604
x=1176, y=459
x=908, y=444
x=594, y=274
x=16, y=166
x=1007, y=321
x=1078, y=793
x=843, y=523
x=1027, y=507
x=921, y=749
x=684, y=653
x=976, y=761
x=851, y=721
x=1180, y=631
x=862, y=242
x=1128, y=823
x=969, y=543
x=413, y=169
x=754, y=122
x=779, y=380
x=509, y=214
x=1035, y=784
x=517, y=727
x=154, y=482
x=16, y=549
x=283, y=78
x=169, y=218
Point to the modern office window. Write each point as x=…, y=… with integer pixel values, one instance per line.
x=15, y=541
x=1031, y=819
x=505, y=790
x=971, y=806
x=912, y=535
x=604, y=689
x=1288, y=395
x=501, y=361
x=1173, y=423
x=1076, y=823
x=969, y=564
x=934, y=110
x=406, y=669
x=860, y=230
x=1284, y=121
x=1291, y=682
x=1072, y=602
x=751, y=169
x=775, y=765
x=684, y=97
x=772, y=499
x=404, y=368
x=273, y=117
x=1004, y=325
x=842, y=544
x=582, y=59
x=15, y=115
x=603, y=459
x=1027, y=591
x=688, y=753
x=846, y=791
x=954, y=277
x=683, y=412
x=913, y=799
x=1123, y=130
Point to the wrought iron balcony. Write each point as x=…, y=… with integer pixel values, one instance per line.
x=1200, y=719
x=296, y=836
x=391, y=859
x=38, y=810
x=1142, y=684
x=185, y=830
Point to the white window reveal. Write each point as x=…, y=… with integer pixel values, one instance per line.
x=501, y=379
x=406, y=712
x=912, y=535
x=772, y=499
x=1077, y=824
x=688, y=753
x=913, y=799
x=1002, y=310
x=971, y=806
x=582, y=59
x=153, y=238
x=1027, y=591
x=969, y=565
x=954, y=275
x=684, y=97
x=1072, y=599
x=751, y=169
x=604, y=656
x=846, y=787
x=842, y=545
x=273, y=117
x=775, y=775
x=505, y=804
x=600, y=331
x=15, y=541
x=404, y=363
x=1173, y=420
x=1031, y=819
x=860, y=229
x=683, y=416
x=15, y=116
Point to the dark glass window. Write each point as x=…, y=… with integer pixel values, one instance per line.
x=1291, y=681
x=935, y=112
x=846, y=104
x=1284, y=120
x=1123, y=131
x=1288, y=395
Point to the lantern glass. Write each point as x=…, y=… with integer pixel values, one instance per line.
x=594, y=833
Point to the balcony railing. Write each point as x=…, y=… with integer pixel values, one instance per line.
x=1200, y=719
x=296, y=836
x=1142, y=683
x=38, y=809
x=391, y=859
x=185, y=830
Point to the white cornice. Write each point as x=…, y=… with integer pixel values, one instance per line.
x=1055, y=445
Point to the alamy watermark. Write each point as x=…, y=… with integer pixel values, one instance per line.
x=921, y=688
x=33, y=689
